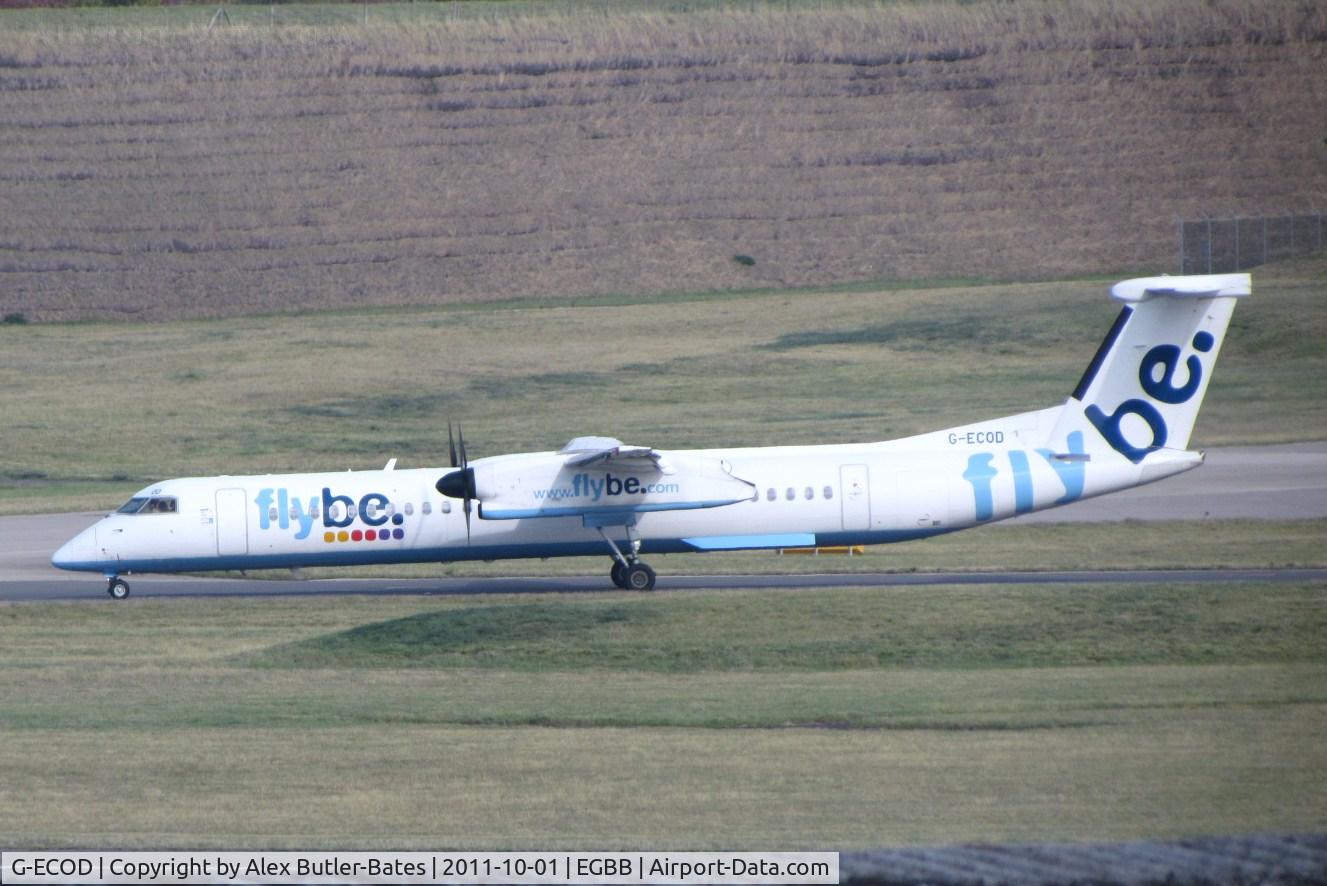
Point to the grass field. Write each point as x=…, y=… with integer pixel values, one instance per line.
x=95, y=411
x=826, y=718
x=449, y=152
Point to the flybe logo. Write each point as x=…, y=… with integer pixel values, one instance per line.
x=335, y=513
x=1156, y=374
x=982, y=471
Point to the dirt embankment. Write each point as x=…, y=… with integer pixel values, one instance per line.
x=166, y=173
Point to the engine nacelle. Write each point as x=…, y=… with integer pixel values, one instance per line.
x=544, y=485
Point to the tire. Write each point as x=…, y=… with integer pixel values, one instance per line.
x=618, y=574
x=118, y=589
x=639, y=577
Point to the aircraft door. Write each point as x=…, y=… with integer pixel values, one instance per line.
x=856, y=498
x=232, y=522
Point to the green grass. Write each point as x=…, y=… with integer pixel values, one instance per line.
x=843, y=630
x=828, y=718
x=340, y=390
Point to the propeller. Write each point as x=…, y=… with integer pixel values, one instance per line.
x=460, y=483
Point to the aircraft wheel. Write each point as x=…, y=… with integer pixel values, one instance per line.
x=639, y=577
x=618, y=575
x=118, y=588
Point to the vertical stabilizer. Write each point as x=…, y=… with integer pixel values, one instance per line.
x=1142, y=390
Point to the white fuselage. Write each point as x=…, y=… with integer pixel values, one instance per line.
x=803, y=496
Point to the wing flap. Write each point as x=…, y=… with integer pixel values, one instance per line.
x=585, y=452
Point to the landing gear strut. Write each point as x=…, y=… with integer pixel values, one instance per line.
x=628, y=572
x=117, y=587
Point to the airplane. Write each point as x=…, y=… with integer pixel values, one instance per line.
x=1126, y=423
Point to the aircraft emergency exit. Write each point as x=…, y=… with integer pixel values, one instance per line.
x=1127, y=423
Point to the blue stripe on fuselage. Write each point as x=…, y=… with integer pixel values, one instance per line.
x=371, y=557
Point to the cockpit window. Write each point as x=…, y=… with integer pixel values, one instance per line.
x=132, y=506
x=157, y=504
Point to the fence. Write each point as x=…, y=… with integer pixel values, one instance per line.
x=1219, y=245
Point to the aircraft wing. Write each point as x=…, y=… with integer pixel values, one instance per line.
x=584, y=452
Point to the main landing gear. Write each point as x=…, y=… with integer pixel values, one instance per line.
x=117, y=587
x=633, y=576
x=628, y=572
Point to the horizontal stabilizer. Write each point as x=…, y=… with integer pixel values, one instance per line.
x=1196, y=286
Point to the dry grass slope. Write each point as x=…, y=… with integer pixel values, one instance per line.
x=168, y=172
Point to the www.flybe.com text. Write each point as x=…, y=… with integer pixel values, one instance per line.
x=595, y=488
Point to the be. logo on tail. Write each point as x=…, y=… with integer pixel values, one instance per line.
x=1156, y=374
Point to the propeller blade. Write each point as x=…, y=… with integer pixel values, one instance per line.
x=459, y=483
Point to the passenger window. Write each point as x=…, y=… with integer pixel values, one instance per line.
x=829, y=492
x=409, y=508
x=791, y=494
x=391, y=509
x=771, y=495
x=445, y=507
x=810, y=493
x=334, y=511
x=272, y=513
x=314, y=509
x=371, y=510
x=350, y=511
x=426, y=508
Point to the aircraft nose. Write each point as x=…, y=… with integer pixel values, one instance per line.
x=80, y=552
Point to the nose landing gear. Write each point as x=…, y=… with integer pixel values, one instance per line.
x=117, y=587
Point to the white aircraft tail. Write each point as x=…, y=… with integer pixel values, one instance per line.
x=1141, y=392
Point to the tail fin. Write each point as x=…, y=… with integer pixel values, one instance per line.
x=1142, y=390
